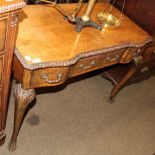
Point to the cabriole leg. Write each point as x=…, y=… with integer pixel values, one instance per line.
x=22, y=100
x=135, y=64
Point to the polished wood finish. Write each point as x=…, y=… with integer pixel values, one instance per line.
x=8, y=28
x=146, y=21
x=58, y=32
x=49, y=51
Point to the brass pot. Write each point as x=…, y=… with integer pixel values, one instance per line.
x=108, y=21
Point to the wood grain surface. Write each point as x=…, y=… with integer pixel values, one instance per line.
x=44, y=35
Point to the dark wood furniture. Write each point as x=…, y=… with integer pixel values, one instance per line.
x=49, y=51
x=143, y=13
x=8, y=25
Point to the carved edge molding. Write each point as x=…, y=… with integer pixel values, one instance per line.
x=12, y=7
x=76, y=58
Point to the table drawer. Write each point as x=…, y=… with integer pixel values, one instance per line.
x=96, y=62
x=48, y=76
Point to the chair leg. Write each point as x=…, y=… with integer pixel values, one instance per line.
x=22, y=100
x=135, y=64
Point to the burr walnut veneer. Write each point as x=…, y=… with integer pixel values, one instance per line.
x=8, y=25
x=49, y=51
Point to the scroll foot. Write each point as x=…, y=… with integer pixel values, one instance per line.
x=110, y=100
x=12, y=146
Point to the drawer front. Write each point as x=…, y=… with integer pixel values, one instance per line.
x=48, y=77
x=3, y=31
x=96, y=62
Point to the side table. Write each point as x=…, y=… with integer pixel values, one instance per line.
x=9, y=10
x=49, y=51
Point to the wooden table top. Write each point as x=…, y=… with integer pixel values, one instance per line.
x=44, y=35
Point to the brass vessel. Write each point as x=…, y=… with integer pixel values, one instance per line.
x=108, y=21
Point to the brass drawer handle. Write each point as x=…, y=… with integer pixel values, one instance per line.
x=112, y=59
x=45, y=78
x=145, y=69
x=82, y=66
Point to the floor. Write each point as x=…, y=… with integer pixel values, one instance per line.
x=79, y=121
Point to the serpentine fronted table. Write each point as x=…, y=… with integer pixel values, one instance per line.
x=49, y=51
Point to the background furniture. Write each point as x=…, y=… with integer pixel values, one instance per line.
x=143, y=13
x=8, y=27
x=51, y=51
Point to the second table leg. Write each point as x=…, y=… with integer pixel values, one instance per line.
x=135, y=64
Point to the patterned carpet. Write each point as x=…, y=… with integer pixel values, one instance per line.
x=76, y=119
